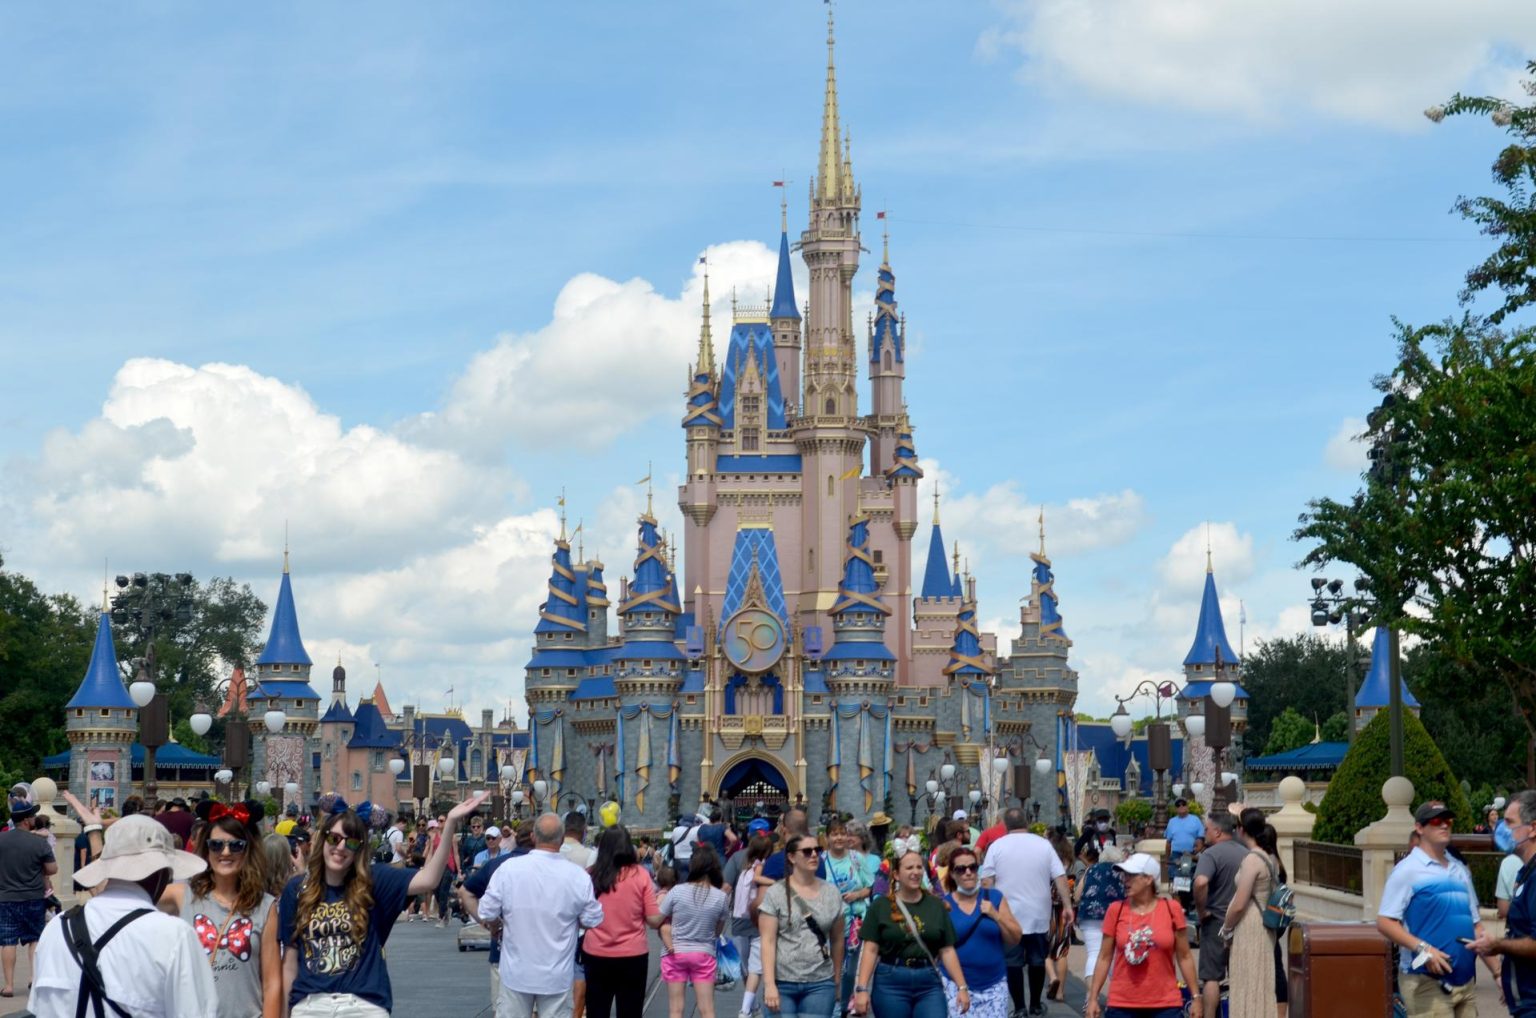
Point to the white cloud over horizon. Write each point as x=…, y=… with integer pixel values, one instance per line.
x=1373, y=62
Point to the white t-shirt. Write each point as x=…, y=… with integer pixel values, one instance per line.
x=397, y=844
x=1022, y=866
x=1509, y=869
x=683, y=839
x=545, y=901
x=155, y=967
x=576, y=852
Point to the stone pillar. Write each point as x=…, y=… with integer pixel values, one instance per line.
x=65, y=828
x=1292, y=823
x=1381, y=841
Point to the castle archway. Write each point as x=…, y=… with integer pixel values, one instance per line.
x=753, y=783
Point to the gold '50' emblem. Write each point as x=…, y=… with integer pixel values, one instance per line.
x=753, y=640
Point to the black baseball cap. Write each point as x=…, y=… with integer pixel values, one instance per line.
x=1431, y=811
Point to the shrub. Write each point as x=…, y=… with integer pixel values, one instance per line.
x=1353, y=800
x=1133, y=814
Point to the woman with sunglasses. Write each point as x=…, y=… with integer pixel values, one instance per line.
x=1146, y=938
x=908, y=936
x=336, y=918
x=233, y=914
x=984, y=929
x=800, y=926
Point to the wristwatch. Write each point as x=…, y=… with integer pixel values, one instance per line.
x=861, y=989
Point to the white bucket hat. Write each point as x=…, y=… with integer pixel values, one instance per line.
x=138, y=846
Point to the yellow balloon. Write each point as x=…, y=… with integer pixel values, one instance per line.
x=609, y=813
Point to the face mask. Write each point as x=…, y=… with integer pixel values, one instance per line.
x=968, y=893
x=1103, y=825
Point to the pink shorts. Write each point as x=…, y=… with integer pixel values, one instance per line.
x=688, y=967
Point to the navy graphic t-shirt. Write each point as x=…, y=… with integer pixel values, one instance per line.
x=330, y=961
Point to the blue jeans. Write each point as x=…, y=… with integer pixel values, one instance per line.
x=813, y=1000
x=898, y=992
x=1143, y=1012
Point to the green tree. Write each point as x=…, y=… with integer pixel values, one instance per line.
x=1353, y=800
x=1336, y=728
x=1304, y=673
x=1133, y=814
x=1290, y=730
x=1444, y=523
x=45, y=643
x=1476, y=722
x=1511, y=268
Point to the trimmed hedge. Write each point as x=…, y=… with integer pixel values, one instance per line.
x=1353, y=800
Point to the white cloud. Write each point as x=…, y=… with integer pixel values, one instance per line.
x=1345, y=451
x=1231, y=556
x=1372, y=61
x=1002, y=519
x=612, y=355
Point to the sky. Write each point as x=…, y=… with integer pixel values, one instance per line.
x=390, y=280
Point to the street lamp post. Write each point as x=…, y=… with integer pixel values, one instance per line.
x=237, y=732
x=143, y=606
x=1330, y=607
x=1159, y=740
x=1387, y=469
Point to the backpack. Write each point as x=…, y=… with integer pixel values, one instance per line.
x=77, y=937
x=385, y=853
x=1279, y=910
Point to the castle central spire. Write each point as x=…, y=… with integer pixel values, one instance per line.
x=829, y=173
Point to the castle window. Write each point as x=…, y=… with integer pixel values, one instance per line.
x=294, y=667
x=378, y=759
x=106, y=713
x=544, y=673
x=691, y=700
x=749, y=442
x=901, y=701
x=570, y=636
x=646, y=663
x=879, y=556
x=831, y=406
x=298, y=703
x=886, y=360
x=829, y=485
x=79, y=712
x=570, y=673
x=750, y=405
x=357, y=781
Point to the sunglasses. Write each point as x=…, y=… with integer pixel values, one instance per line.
x=1439, y=822
x=963, y=869
x=342, y=841
x=218, y=846
x=812, y=851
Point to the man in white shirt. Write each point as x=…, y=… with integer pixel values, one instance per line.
x=574, y=849
x=1024, y=866
x=684, y=836
x=151, y=967
x=396, y=838
x=543, y=903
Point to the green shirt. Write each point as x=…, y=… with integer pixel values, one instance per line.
x=887, y=930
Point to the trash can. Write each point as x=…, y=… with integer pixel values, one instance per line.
x=1339, y=970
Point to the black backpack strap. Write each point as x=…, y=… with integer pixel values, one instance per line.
x=77, y=936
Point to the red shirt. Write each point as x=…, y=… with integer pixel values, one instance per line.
x=1154, y=983
x=622, y=933
x=990, y=835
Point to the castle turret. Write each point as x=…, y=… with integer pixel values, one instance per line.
x=554, y=670
x=1038, y=660
x=887, y=369
x=339, y=684
x=784, y=316
x=1212, y=659
x=102, y=724
x=859, y=662
x=282, y=683
x=597, y=604
x=1376, y=691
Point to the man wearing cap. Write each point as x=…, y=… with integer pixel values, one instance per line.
x=493, y=847
x=26, y=861
x=1428, y=908
x=1518, y=945
x=964, y=817
x=149, y=964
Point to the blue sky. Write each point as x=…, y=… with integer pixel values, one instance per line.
x=398, y=275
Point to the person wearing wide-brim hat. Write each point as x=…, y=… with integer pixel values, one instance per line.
x=152, y=964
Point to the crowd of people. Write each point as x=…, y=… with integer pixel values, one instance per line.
x=212, y=909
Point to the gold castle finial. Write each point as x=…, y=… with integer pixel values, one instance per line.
x=561, y=503
x=105, y=569
x=783, y=184
x=650, y=472
x=1042, y=531
x=1208, y=546
x=581, y=543
x=706, y=341
x=935, y=501
x=829, y=184
x=885, y=228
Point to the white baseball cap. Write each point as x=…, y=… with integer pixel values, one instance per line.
x=136, y=847
x=493, y=831
x=1140, y=862
x=959, y=815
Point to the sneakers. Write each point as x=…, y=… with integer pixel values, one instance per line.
x=1037, y=1009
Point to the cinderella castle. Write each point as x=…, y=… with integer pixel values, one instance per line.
x=798, y=657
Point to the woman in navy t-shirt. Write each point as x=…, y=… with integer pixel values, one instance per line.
x=984, y=927
x=337, y=917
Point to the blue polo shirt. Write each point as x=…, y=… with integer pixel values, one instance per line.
x=1182, y=832
x=1519, y=974
x=1437, y=904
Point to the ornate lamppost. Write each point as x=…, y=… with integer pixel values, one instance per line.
x=1330, y=607
x=144, y=605
x=237, y=732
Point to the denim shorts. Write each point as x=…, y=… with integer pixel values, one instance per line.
x=22, y=922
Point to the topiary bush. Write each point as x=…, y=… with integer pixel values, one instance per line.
x=1353, y=800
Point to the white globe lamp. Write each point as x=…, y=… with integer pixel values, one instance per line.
x=975, y=796
x=540, y=789
x=1223, y=693
x=517, y=796
x=1120, y=723
x=200, y=721
x=445, y=766
x=1178, y=789
x=142, y=692
x=263, y=788
x=1194, y=724
x=275, y=720
x=1000, y=764
x=291, y=787
x=1227, y=777
x=932, y=786
x=1198, y=787
x=508, y=772
x=947, y=772
x=1043, y=765
x=396, y=766
x=223, y=776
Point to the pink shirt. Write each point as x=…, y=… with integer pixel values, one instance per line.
x=622, y=933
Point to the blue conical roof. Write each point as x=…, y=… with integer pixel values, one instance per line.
x=1045, y=591
x=784, y=286
x=856, y=592
x=1210, y=631
x=1376, y=690
x=965, y=653
x=562, y=611
x=651, y=588
x=102, y=685
x=597, y=590
x=284, y=645
x=936, y=577
x=887, y=324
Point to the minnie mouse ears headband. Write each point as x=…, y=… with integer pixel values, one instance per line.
x=250, y=812
x=367, y=812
